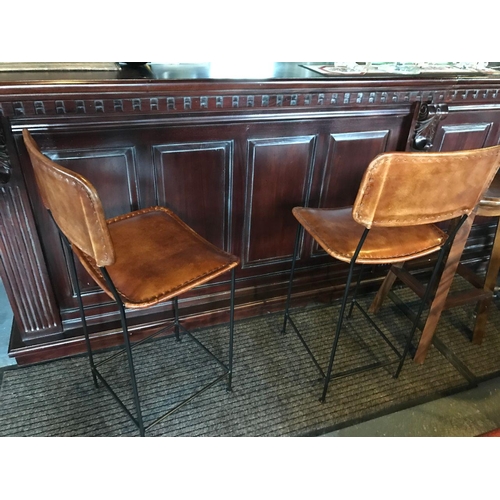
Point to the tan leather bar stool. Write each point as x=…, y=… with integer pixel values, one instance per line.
x=482, y=293
x=400, y=199
x=139, y=259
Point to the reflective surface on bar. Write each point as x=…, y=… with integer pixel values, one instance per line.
x=241, y=70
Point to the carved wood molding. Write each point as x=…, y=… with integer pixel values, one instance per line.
x=428, y=120
x=28, y=287
x=5, y=166
x=23, y=267
x=183, y=104
x=176, y=104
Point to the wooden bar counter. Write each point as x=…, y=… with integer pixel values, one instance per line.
x=231, y=156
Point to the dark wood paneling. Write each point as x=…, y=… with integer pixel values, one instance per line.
x=351, y=146
x=467, y=129
x=349, y=154
x=464, y=136
x=194, y=180
x=278, y=178
x=112, y=171
x=232, y=158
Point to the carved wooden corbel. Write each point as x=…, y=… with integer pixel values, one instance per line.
x=5, y=166
x=428, y=120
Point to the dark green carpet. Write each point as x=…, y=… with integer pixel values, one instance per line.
x=275, y=385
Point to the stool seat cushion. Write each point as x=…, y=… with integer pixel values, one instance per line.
x=338, y=234
x=157, y=257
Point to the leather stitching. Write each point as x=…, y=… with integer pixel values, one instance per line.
x=170, y=291
x=390, y=257
x=163, y=294
x=420, y=160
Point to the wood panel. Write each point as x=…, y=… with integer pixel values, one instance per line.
x=463, y=136
x=112, y=171
x=462, y=128
x=278, y=178
x=349, y=154
x=350, y=150
x=203, y=168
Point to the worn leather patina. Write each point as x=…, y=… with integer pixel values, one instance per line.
x=73, y=203
x=338, y=234
x=406, y=189
x=401, y=197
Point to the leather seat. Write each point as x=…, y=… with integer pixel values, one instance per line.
x=383, y=245
x=170, y=259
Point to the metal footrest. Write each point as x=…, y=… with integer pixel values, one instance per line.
x=353, y=371
x=178, y=406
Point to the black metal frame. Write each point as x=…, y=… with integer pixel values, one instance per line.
x=430, y=290
x=175, y=326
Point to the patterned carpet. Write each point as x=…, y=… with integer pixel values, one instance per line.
x=275, y=384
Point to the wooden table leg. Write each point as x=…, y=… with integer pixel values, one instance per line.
x=384, y=289
x=442, y=290
x=489, y=284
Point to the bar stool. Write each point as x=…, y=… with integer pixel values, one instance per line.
x=481, y=294
x=139, y=259
x=401, y=198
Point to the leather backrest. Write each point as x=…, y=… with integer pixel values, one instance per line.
x=74, y=204
x=405, y=189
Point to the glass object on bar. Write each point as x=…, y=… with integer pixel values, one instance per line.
x=352, y=67
x=406, y=68
x=474, y=66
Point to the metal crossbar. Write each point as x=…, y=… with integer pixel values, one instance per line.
x=176, y=407
x=304, y=343
x=135, y=344
x=377, y=329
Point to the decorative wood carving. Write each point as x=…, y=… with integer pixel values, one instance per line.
x=23, y=267
x=428, y=120
x=5, y=167
x=35, y=313
x=192, y=103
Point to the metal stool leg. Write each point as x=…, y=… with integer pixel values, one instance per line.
x=231, y=332
x=292, y=271
x=341, y=315
x=128, y=350
x=175, y=303
x=74, y=278
x=431, y=288
x=423, y=302
x=355, y=294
